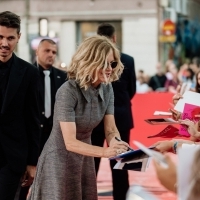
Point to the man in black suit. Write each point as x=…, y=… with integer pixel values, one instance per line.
x=19, y=111
x=46, y=54
x=124, y=90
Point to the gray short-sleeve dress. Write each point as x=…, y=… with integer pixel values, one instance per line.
x=61, y=174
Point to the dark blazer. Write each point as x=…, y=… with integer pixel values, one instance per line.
x=124, y=90
x=19, y=118
x=58, y=77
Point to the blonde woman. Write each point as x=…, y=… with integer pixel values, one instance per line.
x=66, y=166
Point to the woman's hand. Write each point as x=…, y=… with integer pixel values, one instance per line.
x=115, y=148
x=167, y=176
x=175, y=114
x=114, y=141
x=176, y=97
x=163, y=146
x=112, y=151
x=192, y=127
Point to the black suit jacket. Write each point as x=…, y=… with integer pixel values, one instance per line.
x=58, y=77
x=124, y=90
x=19, y=118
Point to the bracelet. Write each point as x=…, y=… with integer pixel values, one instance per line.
x=175, y=147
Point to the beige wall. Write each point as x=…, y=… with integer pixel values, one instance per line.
x=140, y=40
x=139, y=24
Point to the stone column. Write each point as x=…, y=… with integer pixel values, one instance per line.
x=67, y=41
x=139, y=36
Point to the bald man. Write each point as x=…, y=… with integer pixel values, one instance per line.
x=46, y=54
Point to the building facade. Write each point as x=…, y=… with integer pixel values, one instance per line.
x=69, y=21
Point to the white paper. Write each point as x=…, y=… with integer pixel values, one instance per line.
x=162, y=113
x=185, y=161
x=145, y=163
x=119, y=165
x=188, y=97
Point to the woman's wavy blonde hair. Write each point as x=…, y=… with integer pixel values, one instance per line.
x=90, y=57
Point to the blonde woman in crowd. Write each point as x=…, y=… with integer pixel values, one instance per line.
x=66, y=166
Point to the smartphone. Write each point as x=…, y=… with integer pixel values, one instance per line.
x=161, y=121
x=156, y=155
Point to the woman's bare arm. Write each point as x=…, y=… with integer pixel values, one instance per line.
x=74, y=145
x=110, y=128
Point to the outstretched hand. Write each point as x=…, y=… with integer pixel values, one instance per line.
x=163, y=146
x=175, y=114
x=192, y=127
x=176, y=97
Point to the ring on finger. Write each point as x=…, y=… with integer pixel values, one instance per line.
x=118, y=151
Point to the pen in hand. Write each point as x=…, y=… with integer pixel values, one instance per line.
x=129, y=148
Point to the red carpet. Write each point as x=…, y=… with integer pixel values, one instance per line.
x=143, y=106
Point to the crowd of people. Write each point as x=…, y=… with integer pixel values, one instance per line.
x=167, y=78
x=58, y=121
x=169, y=177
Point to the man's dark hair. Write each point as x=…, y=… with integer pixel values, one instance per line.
x=47, y=40
x=10, y=20
x=106, y=29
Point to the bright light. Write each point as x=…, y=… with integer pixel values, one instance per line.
x=63, y=65
x=43, y=23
